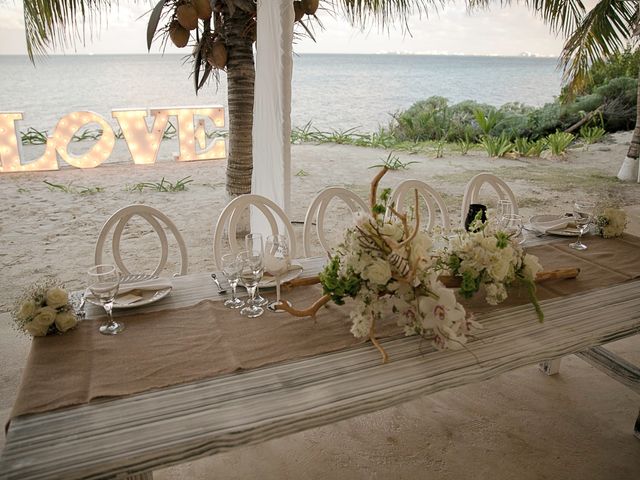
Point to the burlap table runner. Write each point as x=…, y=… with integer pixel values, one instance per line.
x=183, y=345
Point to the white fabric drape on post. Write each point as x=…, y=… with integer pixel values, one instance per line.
x=272, y=106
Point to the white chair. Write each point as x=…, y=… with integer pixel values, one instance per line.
x=472, y=191
x=234, y=211
x=158, y=221
x=317, y=211
x=431, y=197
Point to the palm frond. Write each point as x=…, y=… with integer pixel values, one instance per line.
x=59, y=23
x=385, y=12
x=605, y=30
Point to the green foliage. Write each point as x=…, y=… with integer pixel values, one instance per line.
x=497, y=146
x=393, y=162
x=336, y=285
x=162, y=186
x=70, y=188
x=464, y=145
x=591, y=134
x=559, y=142
x=486, y=120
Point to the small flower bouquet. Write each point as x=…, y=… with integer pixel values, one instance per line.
x=611, y=222
x=490, y=258
x=44, y=309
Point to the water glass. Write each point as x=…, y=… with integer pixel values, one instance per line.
x=104, y=281
x=583, y=217
x=250, y=274
x=231, y=267
x=277, y=261
x=504, y=208
x=253, y=243
x=512, y=225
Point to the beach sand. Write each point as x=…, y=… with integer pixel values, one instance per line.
x=522, y=424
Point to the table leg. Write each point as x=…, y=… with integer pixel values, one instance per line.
x=550, y=367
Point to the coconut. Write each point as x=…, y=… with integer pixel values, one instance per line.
x=178, y=34
x=203, y=7
x=298, y=10
x=217, y=56
x=187, y=16
x=310, y=6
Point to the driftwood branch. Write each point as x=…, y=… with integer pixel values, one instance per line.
x=372, y=337
x=585, y=119
x=373, y=195
x=560, y=274
x=307, y=312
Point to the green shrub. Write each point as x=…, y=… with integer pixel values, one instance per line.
x=591, y=134
x=487, y=119
x=496, y=146
x=559, y=142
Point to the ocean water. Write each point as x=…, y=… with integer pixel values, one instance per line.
x=331, y=91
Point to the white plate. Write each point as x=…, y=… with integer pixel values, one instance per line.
x=269, y=281
x=148, y=296
x=564, y=232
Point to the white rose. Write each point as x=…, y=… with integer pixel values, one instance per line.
x=40, y=324
x=56, y=297
x=393, y=231
x=378, y=272
x=65, y=321
x=499, y=269
x=27, y=310
x=531, y=266
x=36, y=329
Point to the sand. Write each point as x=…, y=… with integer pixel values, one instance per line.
x=522, y=424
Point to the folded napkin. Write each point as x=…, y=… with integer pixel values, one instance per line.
x=153, y=284
x=556, y=224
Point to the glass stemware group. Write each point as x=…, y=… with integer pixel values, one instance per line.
x=248, y=267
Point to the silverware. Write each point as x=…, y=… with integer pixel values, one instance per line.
x=215, y=279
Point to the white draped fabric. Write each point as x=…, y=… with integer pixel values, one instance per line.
x=272, y=105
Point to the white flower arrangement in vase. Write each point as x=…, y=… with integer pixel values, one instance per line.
x=611, y=222
x=44, y=309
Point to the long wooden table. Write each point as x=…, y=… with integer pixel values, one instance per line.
x=134, y=435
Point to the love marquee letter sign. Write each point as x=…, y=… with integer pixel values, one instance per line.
x=143, y=141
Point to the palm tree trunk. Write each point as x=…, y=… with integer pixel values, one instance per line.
x=629, y=169
x=634, y=147
x=240, y=82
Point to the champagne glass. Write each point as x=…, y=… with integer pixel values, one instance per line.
x=512, y=225
x=231, y=267
x=583, y=216
x=253, y=243
x=104, y=281
x=251, y=273
x=276, y=262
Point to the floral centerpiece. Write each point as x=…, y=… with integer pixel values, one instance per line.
x=611, y=222
x=490, y=258
x=44, y=309
x=387, y=265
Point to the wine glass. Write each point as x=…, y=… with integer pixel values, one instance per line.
x=511, y=223
x=276, y=262
x=253, y=243
x=251, y=273
x=231, y=267
x=583, y=216
x=104, y=281
x=505, y=207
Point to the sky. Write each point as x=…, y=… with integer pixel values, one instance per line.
x=501, y=31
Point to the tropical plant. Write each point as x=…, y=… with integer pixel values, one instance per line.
x=486, y=121
x=496, y=146
x=591, y=134
x=559, y=142
x=221, y=34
